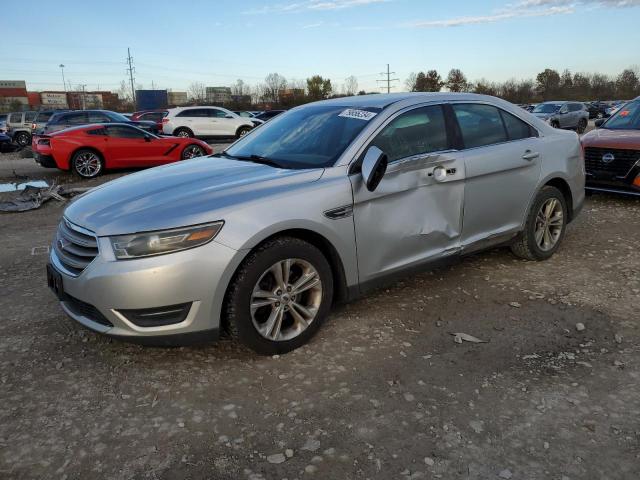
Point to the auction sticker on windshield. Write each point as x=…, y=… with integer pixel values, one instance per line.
x=359, y=114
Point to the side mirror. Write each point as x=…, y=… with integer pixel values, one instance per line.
x=228, y=115
x=599, y=122
x=374, y=166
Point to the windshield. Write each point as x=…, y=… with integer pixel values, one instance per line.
x=309, y=137
x=547, y=108
x=627, y=118
x=118, y=117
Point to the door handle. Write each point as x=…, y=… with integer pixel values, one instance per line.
x=529, y=155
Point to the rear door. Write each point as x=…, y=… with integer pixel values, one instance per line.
x=411, y=218
x=502, y=156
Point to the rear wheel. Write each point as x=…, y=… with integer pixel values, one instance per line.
x=192, y=151
x=242, y=131
x=183, y=132
x=582, y=126
x=23, y=139
x=279, y=296
x=87, y=163
x=545, y=226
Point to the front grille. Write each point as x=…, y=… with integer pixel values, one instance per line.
x=623, y=161
x=75, y=247
x=79, y=307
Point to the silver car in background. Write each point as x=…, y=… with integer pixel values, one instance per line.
x=563, y=114
x=319, y=205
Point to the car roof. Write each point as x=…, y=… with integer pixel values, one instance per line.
x=383, y=100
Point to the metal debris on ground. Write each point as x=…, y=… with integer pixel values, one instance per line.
x=32, y=197
x=460, y=337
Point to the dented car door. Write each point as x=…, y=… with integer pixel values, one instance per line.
x=415, y=214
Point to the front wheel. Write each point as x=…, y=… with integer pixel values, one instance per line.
x=582, y=126
x=545, y=226
x=23, y=139
x=279, y=296
x=87, y=163
x=192, y=151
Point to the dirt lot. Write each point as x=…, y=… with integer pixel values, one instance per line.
x=382, y=392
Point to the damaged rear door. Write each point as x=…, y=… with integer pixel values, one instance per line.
x=415, y=214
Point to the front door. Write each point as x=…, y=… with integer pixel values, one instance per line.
x=413, y=216
x=502, y=156
x=128, y=147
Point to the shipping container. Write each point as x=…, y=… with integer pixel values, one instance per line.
x=20, y=102
x=13, y=92
x=176, y=99
x=86, y=100
x=54, y=99
x=34, y=99
x=151, y=99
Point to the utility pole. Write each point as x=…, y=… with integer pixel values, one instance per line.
x=84, y=104
x=63, y=82
x=131, y=79
x=388, y=80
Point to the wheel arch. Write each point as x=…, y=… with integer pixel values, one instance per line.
x=562, y=185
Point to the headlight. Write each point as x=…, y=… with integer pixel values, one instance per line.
x=166, y=241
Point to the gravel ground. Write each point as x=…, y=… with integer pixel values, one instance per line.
x=382, y=392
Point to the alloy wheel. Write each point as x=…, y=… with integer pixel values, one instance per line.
x=286, y=299
x=88, y=164
x=549, y=224
x=192, y=151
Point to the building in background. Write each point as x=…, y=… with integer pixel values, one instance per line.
x=54, y=100
x=84, y=100
x=176, y=99
x=13, y=95
x=151, y=99
x=218, y=95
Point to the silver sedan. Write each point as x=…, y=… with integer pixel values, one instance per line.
x=319, y=205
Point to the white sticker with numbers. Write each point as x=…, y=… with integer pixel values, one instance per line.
x=359, y=114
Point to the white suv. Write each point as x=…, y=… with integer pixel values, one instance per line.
x=205, y=122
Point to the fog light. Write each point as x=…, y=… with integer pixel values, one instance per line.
x=157, y=317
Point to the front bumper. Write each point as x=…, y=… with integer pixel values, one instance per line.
x=98, y=295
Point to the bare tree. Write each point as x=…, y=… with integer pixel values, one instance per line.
x=239, y=88
x=350, y=85
x=410, y=82
x=197, y=92
x=274, y=83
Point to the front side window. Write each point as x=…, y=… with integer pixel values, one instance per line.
x=122, y=131
x=97, y=117
x=416, y=132
x=193, y=112
x=480, y=125
x=547, y=108
x=215, y=113
x=29, y=116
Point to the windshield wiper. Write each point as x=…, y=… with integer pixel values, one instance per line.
x=253, y=158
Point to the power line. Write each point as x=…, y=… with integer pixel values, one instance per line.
x=131, y=70
x=388, y=80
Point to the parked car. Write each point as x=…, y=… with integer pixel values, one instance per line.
x=562, y=114
x=150, y=115
x=613, y=109
x=205, y=122
x=6, y=144
x=317, y=205
x=41, y=119
x=612, y=152
x=19, y=127
x=244, y=113
x=90, y=149
x=3, y=122
x=268, y=115
x=596, y=109
x=62, y=120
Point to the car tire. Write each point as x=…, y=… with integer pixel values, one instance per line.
x=87, y=163
x=555, y=124
x=22, y=138
x=582, y=126
x=183, y=132
x=242, y=131
x=271, y=320
x=545, y=226
x=192, y=151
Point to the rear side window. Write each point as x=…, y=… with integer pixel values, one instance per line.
x=194, y=112
x=43, y=116
x=480, y=125
x=97, y=117
x=415, y=132
x=15, y=118
x=516, y=128
x=97, y=131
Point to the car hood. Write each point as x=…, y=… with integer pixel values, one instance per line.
x=185, y=193
x=605, y=138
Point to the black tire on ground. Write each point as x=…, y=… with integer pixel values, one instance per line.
x=237, y=311
x=183, y=132
x=242, y=131
x=81, y=161
x=525, y=245
x=582, y=126
x=192, y=151
x=23, y=139
x=555, y=124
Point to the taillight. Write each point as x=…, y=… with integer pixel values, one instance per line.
x=33, y=126
x=44, y=141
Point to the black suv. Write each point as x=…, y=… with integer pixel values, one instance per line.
x=60, y=121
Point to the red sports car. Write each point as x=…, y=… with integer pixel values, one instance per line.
x=90, y=149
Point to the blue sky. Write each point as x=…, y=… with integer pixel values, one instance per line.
x=218, y=41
